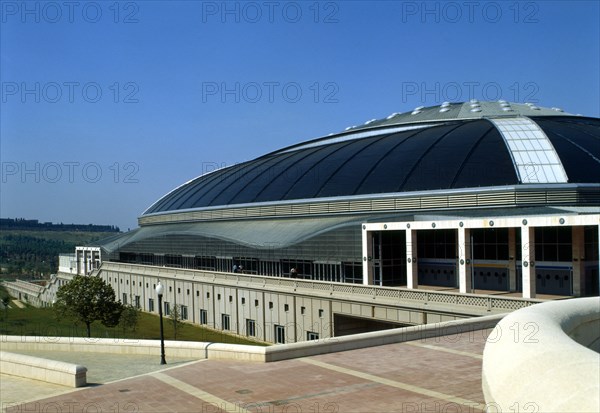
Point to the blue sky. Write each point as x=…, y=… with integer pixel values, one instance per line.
x=106, y=106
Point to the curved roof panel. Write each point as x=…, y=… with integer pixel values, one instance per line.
x=449, y=153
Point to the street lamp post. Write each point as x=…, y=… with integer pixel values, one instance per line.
x=159, y=291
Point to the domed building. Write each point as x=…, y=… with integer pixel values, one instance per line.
x=486, y=196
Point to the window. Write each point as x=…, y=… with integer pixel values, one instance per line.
x=553, y=244
x=188, y=291
x=124, y=298
x=286, y=307
x=178, y=290
x=312, y=336
x=197, y=293
x=302, y=269
x=230, y=299
x=434, y=243
x=218, y=296
x=279, y=334
x=270, y=305
x=302, y=310
x=205, y=263
x=320, y=313
x=490, y=244
x=167, y=308
x=243, y=301
x=207, y=295
x=151, y=304
x=352, y=272
x=225, y=322
x=255, y=303
x=248, y=265
x=250, y=328
x=137, y=301
x=203, y=317
x=184, y=312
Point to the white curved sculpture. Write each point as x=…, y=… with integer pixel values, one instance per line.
x=545, y=358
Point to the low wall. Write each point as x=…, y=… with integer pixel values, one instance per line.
x=379, y=338
x=184, y=349
x=546, y=358
x=36, y=368
x=222, y=351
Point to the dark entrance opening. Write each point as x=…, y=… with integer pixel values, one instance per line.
x=437, y=257
x=389, y=251
x=345, y=325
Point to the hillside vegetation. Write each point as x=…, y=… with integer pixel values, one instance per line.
x=31, y=251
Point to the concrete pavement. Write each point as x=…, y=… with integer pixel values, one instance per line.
x=440, y=374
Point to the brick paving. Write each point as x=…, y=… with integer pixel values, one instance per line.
x=433, y=375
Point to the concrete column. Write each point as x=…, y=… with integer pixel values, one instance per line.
x=578, y=259
x=367, y=248
x=464, y=260
x=512, y=259
x=528, y=257
x=77, y=262
x=412, y=272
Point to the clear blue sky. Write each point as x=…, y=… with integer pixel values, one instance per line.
x=107, y=106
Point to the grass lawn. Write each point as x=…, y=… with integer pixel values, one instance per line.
x=31, y=321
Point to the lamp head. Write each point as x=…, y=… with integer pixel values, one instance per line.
x=159, y=288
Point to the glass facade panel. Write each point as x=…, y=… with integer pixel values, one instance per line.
x=542, y=166
x=553, y=244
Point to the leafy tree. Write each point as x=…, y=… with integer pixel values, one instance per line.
x=88, y=299
x=175, y=316
x=129, y=317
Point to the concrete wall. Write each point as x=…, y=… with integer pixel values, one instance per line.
x=36, y=368
x=298, y=306
x=545, y=358
x=221, y=351
x=294, y=307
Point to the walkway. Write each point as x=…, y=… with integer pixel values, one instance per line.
x=433, y=375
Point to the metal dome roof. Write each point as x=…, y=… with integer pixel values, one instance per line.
x=429, y=150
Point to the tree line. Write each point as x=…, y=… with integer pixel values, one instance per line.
x=34, y=224
x=24, y=254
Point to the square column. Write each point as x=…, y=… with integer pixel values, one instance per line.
x=578, y=259
x=367, y=247
x=464, y=261
x=412, y=274
x=528, y=257
x=512, y=259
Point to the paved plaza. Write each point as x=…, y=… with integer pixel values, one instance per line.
x=440, y=374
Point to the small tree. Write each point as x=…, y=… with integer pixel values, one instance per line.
x=88, y=299
x=129, y=317
x=175, y=317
